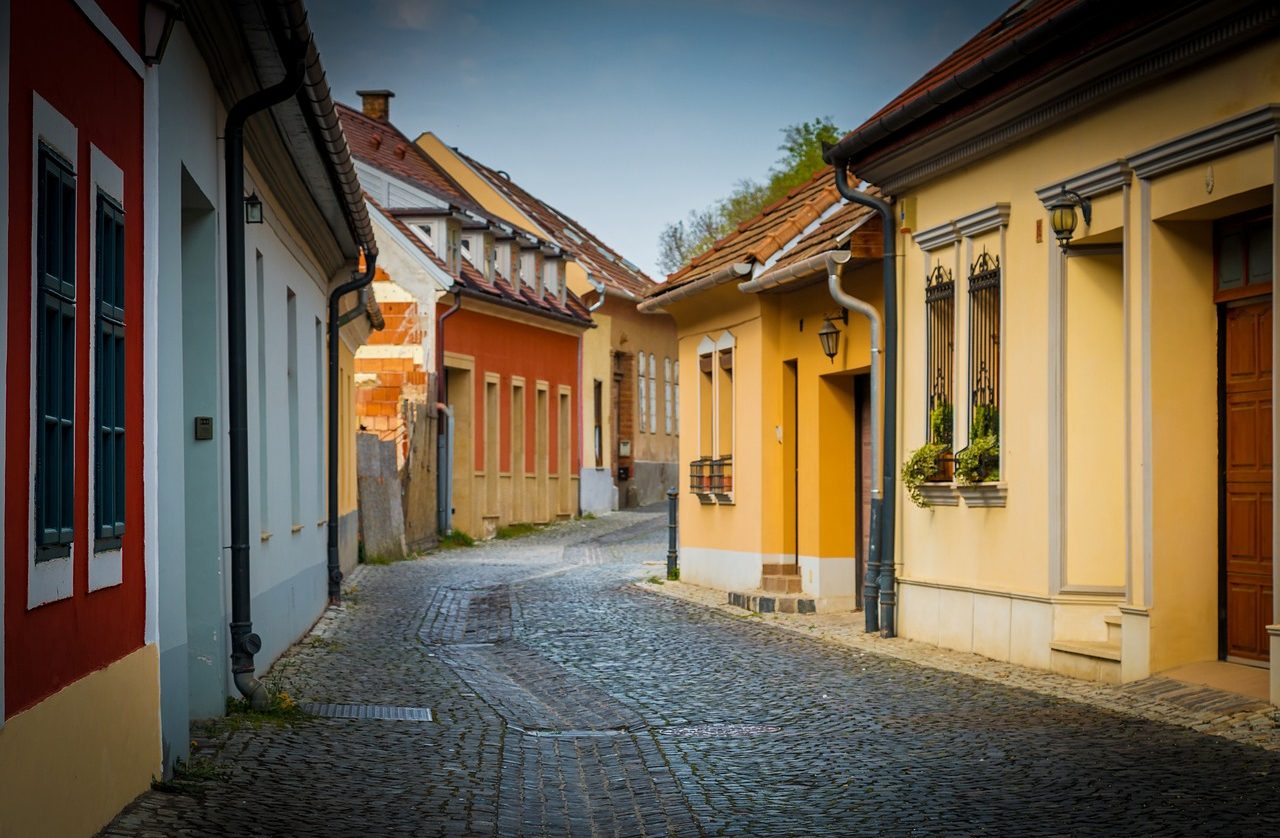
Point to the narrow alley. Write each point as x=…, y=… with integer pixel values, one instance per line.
x=565, y=700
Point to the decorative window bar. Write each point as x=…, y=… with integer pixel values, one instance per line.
x=984, y=345
x=722, y=476
x=940, y=325
x=700, y=476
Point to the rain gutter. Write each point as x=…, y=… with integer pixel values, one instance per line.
x=998, y=61
x=244, y=643
x=726, y=274
x=885, y=529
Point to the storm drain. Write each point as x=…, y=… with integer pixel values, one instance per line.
x=572, y=734
x=720, y=730
x=368, y=711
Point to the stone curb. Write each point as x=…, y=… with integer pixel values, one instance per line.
x=1260, y=728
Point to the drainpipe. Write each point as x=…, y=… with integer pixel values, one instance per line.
x=887, y=523
x=832, y=262
x=444, y=458
x=358, y=282
x=244, y=643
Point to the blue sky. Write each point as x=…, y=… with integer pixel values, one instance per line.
x=626, y=114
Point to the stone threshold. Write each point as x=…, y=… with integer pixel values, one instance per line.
x=1215, y=712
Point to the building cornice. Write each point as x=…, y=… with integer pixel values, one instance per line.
x=1249, y=128
x=975, y=223
x=897, y=180
x=1097, y=181
x=937, y=236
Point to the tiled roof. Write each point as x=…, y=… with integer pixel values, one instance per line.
x=381, y=145
x=603, y=261
x=1033, y=40
x=1017, y=20
x=762, y=235
x=866, y=242
x=471, y=281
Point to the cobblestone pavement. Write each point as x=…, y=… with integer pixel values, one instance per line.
x=566, y=700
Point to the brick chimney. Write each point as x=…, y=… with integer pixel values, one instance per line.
x=376, y=104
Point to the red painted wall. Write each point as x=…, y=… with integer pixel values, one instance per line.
x=56, y=52
x=518, y=349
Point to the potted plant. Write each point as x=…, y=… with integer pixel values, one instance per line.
x=978, y=465
x=930, y=463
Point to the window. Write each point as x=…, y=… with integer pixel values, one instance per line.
x=264, y=456
x=984, y=365
x=667, y=385
x=641, y=391
x=711, y=475
x=109, y=373
x=675, y=394
x=597, y=395
x=55, y=356
x=1243, y=250
x=653, y=394
x=940, y=325
x=321, y=500
x=291, y=380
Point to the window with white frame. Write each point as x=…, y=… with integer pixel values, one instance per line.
x=653, y=394
x=641, y=390
x=55, y=340
x=109, y=375
x=667, y=392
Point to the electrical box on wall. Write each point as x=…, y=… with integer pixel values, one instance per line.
x=204, y=427
x=906, y=214
x=624, y=448
x=624, y=473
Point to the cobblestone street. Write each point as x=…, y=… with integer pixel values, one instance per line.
x=565, y=700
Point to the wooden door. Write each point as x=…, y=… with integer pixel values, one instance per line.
x=1247, y=580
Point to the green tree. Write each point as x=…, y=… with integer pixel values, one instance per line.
x=801, y=149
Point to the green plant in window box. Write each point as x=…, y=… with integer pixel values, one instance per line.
x=980, y=461
x=925, y=463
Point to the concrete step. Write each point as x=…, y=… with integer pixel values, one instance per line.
x=787, y=569
x=1091, y=660
x=781, y=583
x=1113, y=627
x=768, y=602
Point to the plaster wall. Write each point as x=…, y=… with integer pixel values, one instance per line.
x=287, y=508
x=84, y=741
x=1166, y=561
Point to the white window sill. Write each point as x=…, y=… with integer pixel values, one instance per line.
x=984, y=495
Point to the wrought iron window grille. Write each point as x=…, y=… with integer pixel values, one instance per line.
x=940, y=325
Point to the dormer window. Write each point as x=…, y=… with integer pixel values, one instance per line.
x=490, y=261
x=424, y=231
x=453, y=249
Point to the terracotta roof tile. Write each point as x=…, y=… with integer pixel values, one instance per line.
x=756, y=239
x=471, y=280
x=603, y=261
x=381, y=145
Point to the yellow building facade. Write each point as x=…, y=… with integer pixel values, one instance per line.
x=1097, y=384
x=775, y=433
x=1129, y=527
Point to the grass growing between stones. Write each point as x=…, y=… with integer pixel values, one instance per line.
x=281, y=711
x=190, y=777
x=457, y=538
x=383, y=561
x=517, y=530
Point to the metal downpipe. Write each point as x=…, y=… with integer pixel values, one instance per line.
x=244, y=643
x=358, y=282
x=885, y=528
x=870, y=583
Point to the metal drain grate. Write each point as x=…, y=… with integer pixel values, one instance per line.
x=369, y=711
x=721, y=730
x=572, y=734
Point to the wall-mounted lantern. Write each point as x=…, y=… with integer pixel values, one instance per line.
x=158, y=17
x=1062, y=215
x=253, y=209
x=829, y=335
